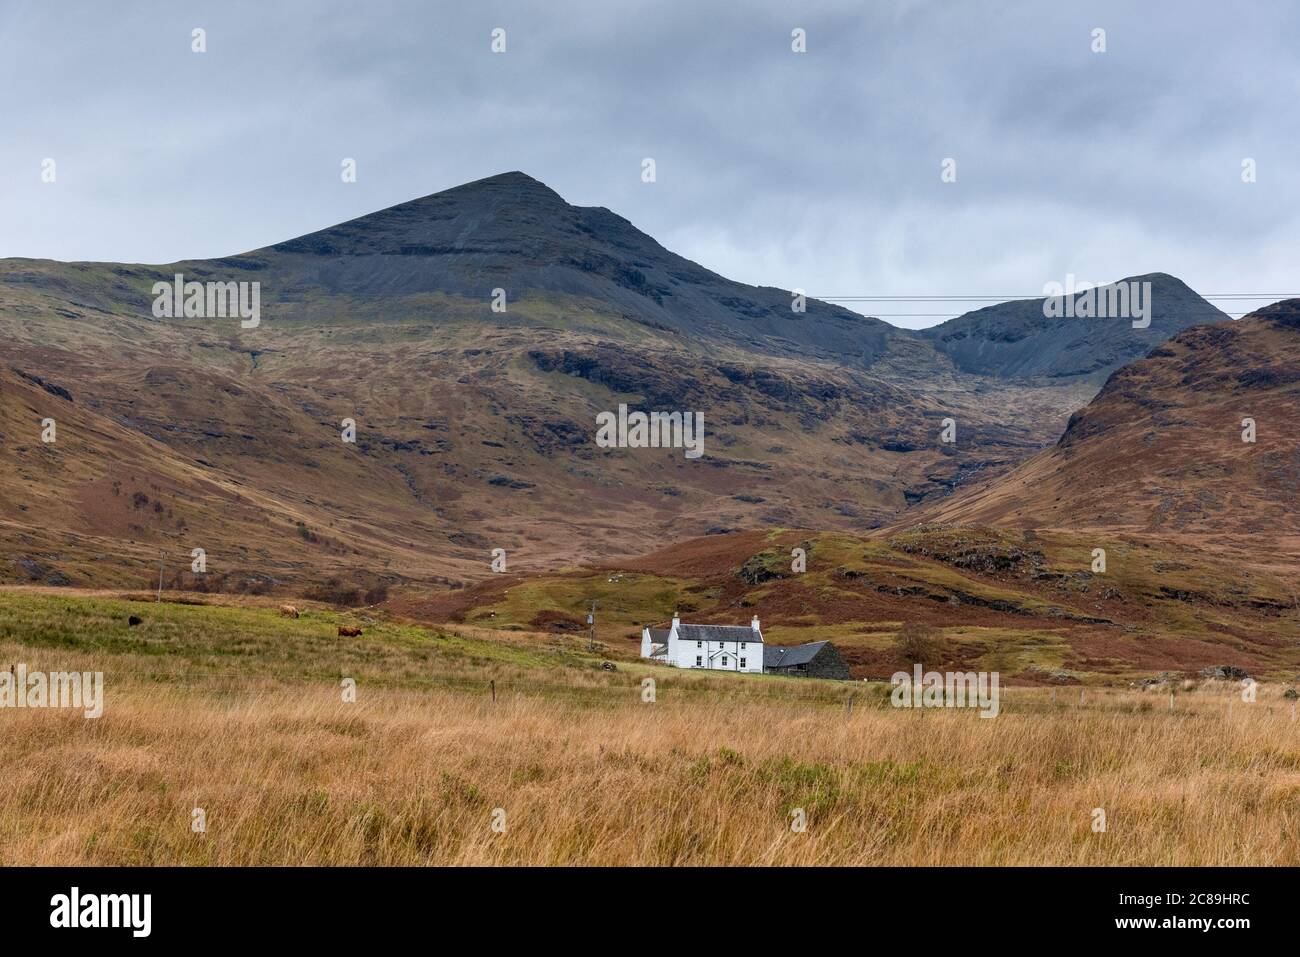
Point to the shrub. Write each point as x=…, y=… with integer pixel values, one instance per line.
x=334, y=592
x=917, y=643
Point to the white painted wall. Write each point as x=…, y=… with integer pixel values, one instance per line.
x=709, y=655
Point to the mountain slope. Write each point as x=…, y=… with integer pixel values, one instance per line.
x=509, y=232
x=1015, y=340
x=513, y=232
x=1160, y=448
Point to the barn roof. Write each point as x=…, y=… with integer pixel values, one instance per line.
x=774, y=657
x=718, y=633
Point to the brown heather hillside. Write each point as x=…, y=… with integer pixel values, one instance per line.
x=470, y=438
x=1159, y=451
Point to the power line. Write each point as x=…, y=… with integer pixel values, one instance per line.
x=918, y=298
x=1267, y=297
x=943, y=315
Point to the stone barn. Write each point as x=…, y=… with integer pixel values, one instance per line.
x=817, y=659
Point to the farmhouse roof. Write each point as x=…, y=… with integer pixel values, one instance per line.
x=718, y=633
x=774, y=657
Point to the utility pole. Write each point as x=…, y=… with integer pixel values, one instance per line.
x=160, y=574
x=591, y=624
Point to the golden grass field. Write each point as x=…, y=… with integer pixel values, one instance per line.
x=239, y=712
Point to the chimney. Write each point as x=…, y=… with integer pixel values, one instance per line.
x=754, y=624
x=676, y=621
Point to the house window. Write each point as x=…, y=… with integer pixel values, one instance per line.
x=699, y=644
x=742, y=662
x=742, y=646
x=699, y=660
x=724, y=661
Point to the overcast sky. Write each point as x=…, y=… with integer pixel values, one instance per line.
x=818, y=170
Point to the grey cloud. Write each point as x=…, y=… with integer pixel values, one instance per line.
x=818, y=170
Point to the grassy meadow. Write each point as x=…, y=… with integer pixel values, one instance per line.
x=239, y=712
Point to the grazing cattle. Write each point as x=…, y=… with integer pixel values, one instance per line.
x=289, y=611
x=349, y=631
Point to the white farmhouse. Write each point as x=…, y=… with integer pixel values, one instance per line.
x=717, y=647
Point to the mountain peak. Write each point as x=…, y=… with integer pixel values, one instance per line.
x=450, y=217
x=1019, y=340
x=514, y=177
x=513, y=232
x=513, y=184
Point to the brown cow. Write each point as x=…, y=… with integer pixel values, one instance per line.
x=289, y=611
x=349, y=631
